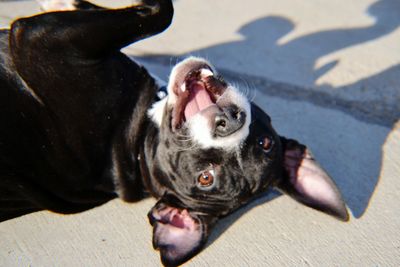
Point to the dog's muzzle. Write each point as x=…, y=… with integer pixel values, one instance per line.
x=228, y=121
x=213, y=112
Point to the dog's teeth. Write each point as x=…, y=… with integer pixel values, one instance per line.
x=206, y=73
x=183, y=87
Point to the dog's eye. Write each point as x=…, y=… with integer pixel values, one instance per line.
x=266, y=144
x=206, y=178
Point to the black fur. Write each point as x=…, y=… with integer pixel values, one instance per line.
x=72, y=108
x=74, y=132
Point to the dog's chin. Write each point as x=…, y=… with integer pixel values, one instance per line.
x=197, y=97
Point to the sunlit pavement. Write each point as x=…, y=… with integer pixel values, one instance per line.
x=328, y=74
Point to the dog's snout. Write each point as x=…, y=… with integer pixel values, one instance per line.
x=228, y=121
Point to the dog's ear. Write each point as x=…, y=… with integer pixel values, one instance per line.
x=306, y=181
x=178, y=233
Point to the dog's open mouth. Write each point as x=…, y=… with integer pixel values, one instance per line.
x=197, y=91
x=203, y=107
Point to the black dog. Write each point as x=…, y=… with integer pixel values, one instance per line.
x=80, y=126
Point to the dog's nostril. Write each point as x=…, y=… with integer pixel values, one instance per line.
x=220, y=122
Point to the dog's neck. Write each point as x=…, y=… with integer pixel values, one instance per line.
x=128, y=176
x=147, y=151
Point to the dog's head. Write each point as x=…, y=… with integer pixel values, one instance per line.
x=215, y=152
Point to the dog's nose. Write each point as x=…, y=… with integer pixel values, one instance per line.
x=228, y=121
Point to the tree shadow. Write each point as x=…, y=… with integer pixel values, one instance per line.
x=260, y=53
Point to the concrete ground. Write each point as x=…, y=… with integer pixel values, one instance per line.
x=328, y=73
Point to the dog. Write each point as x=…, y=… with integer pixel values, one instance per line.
x=81, y=125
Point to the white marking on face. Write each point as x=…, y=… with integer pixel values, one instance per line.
x=201, y=129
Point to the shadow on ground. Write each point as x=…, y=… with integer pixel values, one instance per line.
x=351, y=153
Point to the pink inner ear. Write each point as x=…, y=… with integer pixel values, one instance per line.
x=175, y=217
x=309, y=179
x=176, y=233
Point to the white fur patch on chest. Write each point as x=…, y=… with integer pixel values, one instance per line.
x=156, y=112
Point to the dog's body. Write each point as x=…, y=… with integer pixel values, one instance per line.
x=80, y=127
x=65, y=111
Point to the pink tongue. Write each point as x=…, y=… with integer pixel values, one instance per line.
x=199, y=99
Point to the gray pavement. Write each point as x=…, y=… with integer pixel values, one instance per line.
x=328, y=74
